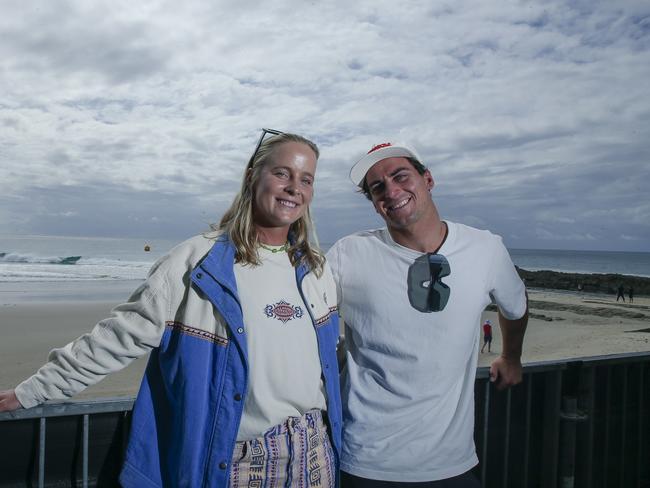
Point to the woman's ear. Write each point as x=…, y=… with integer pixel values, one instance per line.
x=249, y=176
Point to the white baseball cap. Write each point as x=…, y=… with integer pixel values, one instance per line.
x=376, y=154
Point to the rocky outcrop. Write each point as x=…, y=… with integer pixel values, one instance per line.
x=590, y=283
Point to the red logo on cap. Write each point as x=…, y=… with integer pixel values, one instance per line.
x=379, y=146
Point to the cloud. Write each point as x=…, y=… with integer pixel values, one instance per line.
x=106, y=210
x=529, y=115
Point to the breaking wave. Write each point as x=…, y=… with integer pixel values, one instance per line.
x=31, y=267
x=10, y=257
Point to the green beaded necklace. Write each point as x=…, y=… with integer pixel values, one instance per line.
x=274, y=250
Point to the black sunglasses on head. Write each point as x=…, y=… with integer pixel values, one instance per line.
x=265, y=134
x=425, y=290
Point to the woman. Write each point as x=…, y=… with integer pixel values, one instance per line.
x=243, y=326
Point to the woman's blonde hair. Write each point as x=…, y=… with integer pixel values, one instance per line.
x=237, y=223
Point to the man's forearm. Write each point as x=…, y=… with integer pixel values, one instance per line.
x=512, y=334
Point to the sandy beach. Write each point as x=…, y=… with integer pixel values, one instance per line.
x=564, y=325
x=29, y=331
x=561, y=326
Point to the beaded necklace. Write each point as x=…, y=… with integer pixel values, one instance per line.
x=276, y=249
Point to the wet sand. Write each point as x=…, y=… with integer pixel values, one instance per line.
x=561, y=326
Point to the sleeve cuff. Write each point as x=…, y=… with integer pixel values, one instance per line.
x=27, y=395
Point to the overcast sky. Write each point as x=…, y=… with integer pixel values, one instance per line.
x=128, y=118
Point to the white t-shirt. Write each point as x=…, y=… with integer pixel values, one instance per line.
x=408, y=388
x=284, y=378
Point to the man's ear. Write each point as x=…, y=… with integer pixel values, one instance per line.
x=429, y=180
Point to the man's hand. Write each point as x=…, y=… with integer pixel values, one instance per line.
x=8, y=401
x=505, y=372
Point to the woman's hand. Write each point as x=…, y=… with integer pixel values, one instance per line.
x=9, y=401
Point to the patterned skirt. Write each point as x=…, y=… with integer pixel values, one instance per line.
x=296, y=453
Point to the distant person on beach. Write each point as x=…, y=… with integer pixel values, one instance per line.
x=621, y=293
x=411, y=295
x=242, y=385
x=630, y=294
x=487, y=336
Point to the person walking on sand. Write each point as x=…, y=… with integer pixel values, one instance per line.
x=620, y=293
x=630, y=294
x=242, y=383
x=411, y=295
x=487, y=336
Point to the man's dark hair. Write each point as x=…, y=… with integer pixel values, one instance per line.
x=419, y=167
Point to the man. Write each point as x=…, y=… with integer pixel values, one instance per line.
x=620, y=293
x=487, y=336
x=411, y=296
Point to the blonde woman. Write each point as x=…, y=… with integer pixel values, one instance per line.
x=242, y=382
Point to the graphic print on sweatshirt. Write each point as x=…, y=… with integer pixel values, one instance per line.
x=283, y=311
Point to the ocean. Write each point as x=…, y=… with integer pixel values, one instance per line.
x=61, y=259
x=32, y=259
x=54, y=269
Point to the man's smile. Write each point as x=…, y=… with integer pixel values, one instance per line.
x=399, y=204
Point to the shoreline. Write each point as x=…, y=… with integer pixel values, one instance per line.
x=119, y=289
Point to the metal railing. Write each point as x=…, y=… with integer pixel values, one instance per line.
x=52, y=444
x=574, y=423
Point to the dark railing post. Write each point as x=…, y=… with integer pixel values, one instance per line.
x=486, y=416
x=41, y=453
x=86, y=422
x=529, y=401
x=551, y=437
x=126, y=427
x=585, y=438
x=570, y=416
x=623, y=426
x=506, y=446
x=641, y=424
x=608, y=390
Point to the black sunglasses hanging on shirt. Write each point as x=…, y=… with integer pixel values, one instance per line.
x=426, y=291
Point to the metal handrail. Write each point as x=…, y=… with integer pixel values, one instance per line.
x=125, y=403
x=72, y=407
